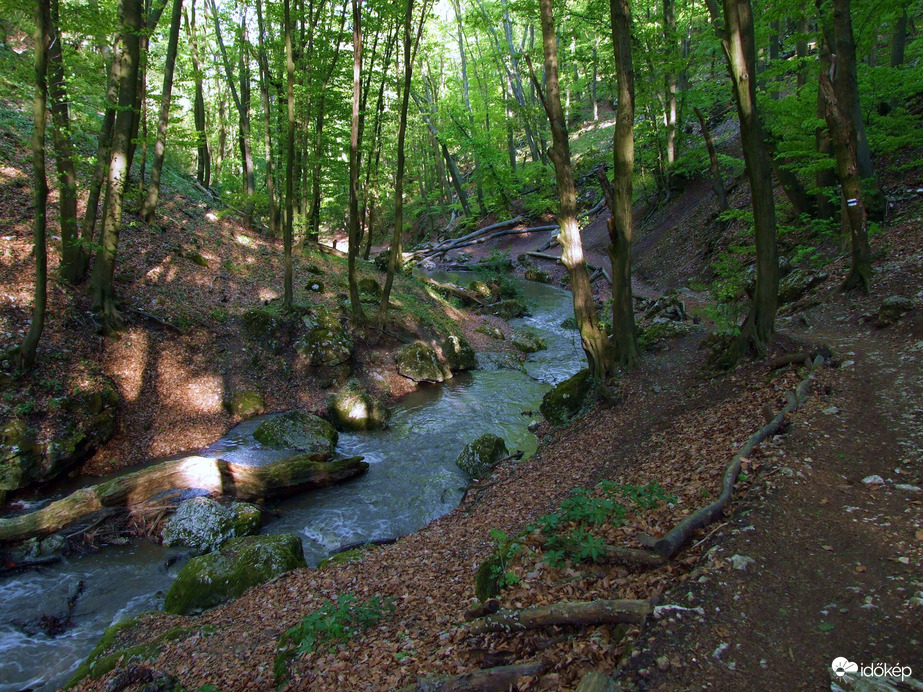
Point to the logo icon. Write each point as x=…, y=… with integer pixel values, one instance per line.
x=841, y=666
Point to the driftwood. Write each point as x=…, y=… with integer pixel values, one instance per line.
x=463, y=293
x=330, y=250
x=601, y=612
x=589, y=212
x=554, y=258
x=498, y=679
x=442, y=248
x=239, y=481
x=146, y=315
x=9, y=566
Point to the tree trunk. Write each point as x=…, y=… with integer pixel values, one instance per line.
x=843, y=137
x=594, y=341
x=203, y=158
x=454, y=173
x=358, y=316
x=717, y=180
x=267, y=123
x=240, y=481
x=73, y=265
x=42, y=39
x=410, y=53
x=669, y=111
x=104, y=263
x=160, y=149
x=801, y=49
x=802, y=204
x=737, y=39
x=825, y=178
x=290, y=157
x=899, y=40
x=624, y=333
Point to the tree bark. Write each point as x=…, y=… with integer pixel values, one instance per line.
x=594, y=341
x=447, y=156
x=263, y=61
x=104, y=263
x=358, y=316
x=160, y=148
x=287, y=233
x=242, y=482
x=624, y=332
x=717, y=180
x=203, y=158
x=735, y=31
x=582, y=613
x=42, y=39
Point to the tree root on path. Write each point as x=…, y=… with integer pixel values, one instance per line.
x=500, y=678
x=584, y=613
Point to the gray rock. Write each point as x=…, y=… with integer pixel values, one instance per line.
x=480, y=456
x=567, y=398
x=874, y=479
x=527, y=341
x=326, y=340
x=353, y=407
x=741, y=562
x=204, y=524
x=797, y=283
x=892, y=309
x=508, y=309
x=492, y=361
x=459, y=354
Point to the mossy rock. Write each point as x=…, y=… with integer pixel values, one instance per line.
x=509, y=309
x=354, y=408
x=482, y=290
x=486, y=579
x=212, y=579
x=297, y=430
x=480, y=456
x=204, y=524
x=661, y=330
x=492, y=332
x=570, y=323
x=797, y=283
x=538, y=275
x=19, y=456
x=566, y=399
x=459, y=354
x=419, y=362
x=315, y=286
x=527, y=341
x=892, y=309
x=370, y=287
x=326, y=341
x=271, y=327
x=246, y=404
x=492, y=361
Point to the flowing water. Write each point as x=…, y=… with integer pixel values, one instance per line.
x=412, y=479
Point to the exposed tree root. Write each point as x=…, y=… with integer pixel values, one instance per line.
x=582, y=613
x=499, y=679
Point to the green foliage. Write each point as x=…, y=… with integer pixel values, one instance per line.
x=336, y=621
x=494, y=574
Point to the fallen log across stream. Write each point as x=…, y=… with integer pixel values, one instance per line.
x=216, y=476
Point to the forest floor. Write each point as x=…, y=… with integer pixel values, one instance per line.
x=815, y=558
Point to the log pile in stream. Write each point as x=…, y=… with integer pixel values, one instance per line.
x=216, y=476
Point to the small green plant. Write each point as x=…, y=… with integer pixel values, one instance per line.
x=337, y=621
x=495, y=574
x=647, y=496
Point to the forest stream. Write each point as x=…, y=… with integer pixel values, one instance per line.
x=412, y=480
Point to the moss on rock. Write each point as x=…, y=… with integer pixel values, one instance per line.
x=539, y=275
x=246, y=404
x=297, y=430
x=527, y=341
x=419, y=362
x=479, y=457
x=459, y=354
x=217, y=577
x=204, y=524
x=509, y=309
x=566, y=399
x=354, y=408
x=326, y=341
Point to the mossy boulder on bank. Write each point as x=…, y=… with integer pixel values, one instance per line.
x=509, y=309
x=296, y=430
x=662, y=329
x=246, y=404
x=567, y=398
x=459, y=354
x=539, y=275
x=483, y=290
x=353, y=407
x=204, y=524
x=892, y=309
x=419, y=362
x=212, y=579
x=370, y=287
x=797, y=283
x=527, y=342
x=480, y=456
x=326, y=340
x=81, y=423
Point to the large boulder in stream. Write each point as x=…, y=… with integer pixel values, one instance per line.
x=296, y=430
x=508, y=309
x=480, y=456
x=353, y=407
x=204, y=524
x=459, y=354
x=527, y=341
x=212, y=579
x=419, y=362
x=566, y=399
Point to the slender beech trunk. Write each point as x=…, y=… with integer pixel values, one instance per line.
x=358, y=316
x=843, y=137
x=160, y=148
x=479, y=187
x=454, y=173
x=624, y=333
x=735, y=31
x=671, y=39
x=263, y=60
x=43, y=37
x=73, y=265
x=395, y=262
x=899, y=40
x=825, y=177
x=104, y=263
x=203, y=158
x=290, y=157
x=717, y=180
x=594, y=341
x=801, y=49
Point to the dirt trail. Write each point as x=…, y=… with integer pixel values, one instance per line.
x=836, y=565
